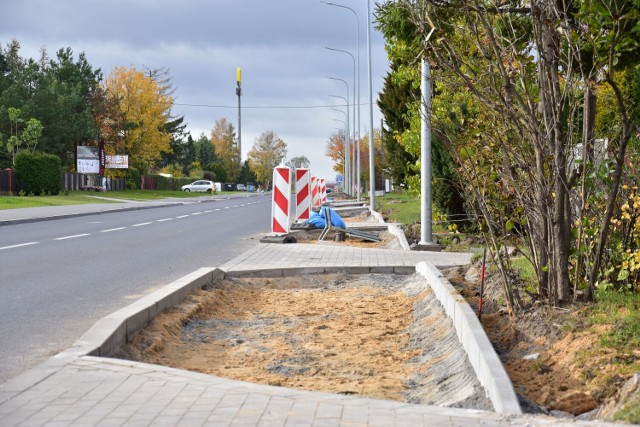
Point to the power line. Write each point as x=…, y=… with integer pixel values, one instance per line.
x=286, y=107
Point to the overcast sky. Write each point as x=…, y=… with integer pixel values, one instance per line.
x=280, y=45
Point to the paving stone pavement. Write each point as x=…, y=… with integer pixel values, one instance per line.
x=79, y=390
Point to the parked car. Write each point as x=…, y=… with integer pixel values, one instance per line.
x=241, y=187
x=200, y=185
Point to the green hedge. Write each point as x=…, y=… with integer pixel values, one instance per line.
x=164, y=183
x=133, y=177
x=38, y=173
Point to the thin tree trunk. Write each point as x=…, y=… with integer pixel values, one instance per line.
x=588, y=159
x=627, y=130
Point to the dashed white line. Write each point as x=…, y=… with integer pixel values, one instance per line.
x=165, y=219
x=141, y=224
x=19, y=246
x=112, y=229
x=208, y=211
x=75, y=236
x=182, y=216
x=196, y=213
x=218, y=209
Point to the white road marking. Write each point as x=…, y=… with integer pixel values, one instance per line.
x=182, y=216
x=19, y=246
x=72, y=237
x=196, y=213
x=141, y=224
x=163, y=220
x=112, y=229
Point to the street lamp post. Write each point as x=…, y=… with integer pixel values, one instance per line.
x=347, y=157
x=348, y=130
x=372, y=175
x=356, y=100
x=346, y=147
x=239, y=93
x=426, y=237
x=355, y=137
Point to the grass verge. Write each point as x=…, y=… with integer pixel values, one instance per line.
x=84, y=197
x=399, y=207
x=602, y=363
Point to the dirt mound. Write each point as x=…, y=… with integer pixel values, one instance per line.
x=543, y=350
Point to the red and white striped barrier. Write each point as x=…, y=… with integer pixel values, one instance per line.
x=323, y=191
x=280, y=200
x=315, y=192
x=303, y=194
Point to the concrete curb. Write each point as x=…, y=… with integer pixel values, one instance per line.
x=399, y=234
x=482, y=356
x=118, y=328
x=297, y=271
x=81, y=214
x=114, y=329
x=118, y=209
x=378, y=216
x=393, y=229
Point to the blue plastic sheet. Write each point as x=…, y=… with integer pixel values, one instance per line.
x=319, y=221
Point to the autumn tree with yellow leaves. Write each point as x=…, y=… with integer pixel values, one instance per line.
x=135, y=112
x=223, y=138
x=268, y=151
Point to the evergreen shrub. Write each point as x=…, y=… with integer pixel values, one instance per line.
x=38, y=173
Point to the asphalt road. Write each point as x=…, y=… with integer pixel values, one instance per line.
x=58, y=277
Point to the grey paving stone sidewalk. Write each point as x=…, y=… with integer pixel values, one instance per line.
x=79, y=390
x=90, y=391
x=318, y=257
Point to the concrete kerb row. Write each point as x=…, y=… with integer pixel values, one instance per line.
x=393, y=229
x=481, y=354
x=78, y=214
x=117, y=329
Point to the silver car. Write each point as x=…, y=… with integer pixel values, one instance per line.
x=200, y=185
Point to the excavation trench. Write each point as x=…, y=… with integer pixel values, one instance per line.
x=376, y=335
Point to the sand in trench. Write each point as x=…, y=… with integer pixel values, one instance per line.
x=325, y=333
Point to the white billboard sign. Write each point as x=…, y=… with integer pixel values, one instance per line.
x=117, y=162
x=88, y=160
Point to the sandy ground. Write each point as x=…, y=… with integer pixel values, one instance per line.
x=379, y=336
x=542, y=359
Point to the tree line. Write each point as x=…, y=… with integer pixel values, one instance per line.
x=53, y=105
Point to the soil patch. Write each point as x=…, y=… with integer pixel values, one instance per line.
x=547, y=351
x=378, y=336
x=387, y=240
